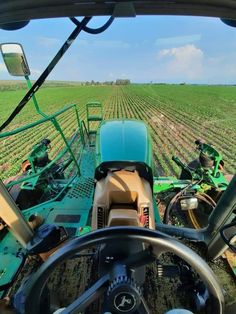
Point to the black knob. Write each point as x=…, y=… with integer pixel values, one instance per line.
x=124, y=295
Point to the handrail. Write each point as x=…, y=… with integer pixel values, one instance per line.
x=33, y=124
x=54, y=199
x=60, y=155
x=86, y=130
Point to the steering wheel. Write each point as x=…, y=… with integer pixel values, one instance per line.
x=124, y=296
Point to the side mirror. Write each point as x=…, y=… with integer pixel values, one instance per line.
x=228, y=234
x=229, y=22
x=15, y=60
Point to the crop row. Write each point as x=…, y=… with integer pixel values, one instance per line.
x=173, y=124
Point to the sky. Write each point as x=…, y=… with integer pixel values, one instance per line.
x=143, y=49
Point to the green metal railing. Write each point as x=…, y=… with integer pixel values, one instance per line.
x=68, y=143
x=84, y=130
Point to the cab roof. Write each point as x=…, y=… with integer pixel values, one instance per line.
x=12, y=11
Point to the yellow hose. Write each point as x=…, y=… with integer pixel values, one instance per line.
x=193, y=219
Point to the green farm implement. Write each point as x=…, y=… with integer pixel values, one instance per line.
x=86, y=226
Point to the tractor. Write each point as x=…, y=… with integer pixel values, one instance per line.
x=83, y=231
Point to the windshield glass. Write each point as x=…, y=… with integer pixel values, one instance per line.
x=177, y=74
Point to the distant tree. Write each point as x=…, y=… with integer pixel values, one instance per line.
x=122, y=82
x=108, y=83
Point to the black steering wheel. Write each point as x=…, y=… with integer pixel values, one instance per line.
x=123, y=300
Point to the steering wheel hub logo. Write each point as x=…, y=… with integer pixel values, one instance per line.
x=124, y=302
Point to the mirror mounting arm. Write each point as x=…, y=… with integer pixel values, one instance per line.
x=36, y=104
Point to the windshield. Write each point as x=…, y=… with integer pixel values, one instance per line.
x=177, y=74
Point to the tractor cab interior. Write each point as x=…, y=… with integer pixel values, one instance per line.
x=93, y=228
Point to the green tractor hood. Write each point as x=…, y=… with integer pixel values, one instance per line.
x=124, y=144
x=124, y=140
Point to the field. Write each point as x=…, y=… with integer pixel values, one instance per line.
x=175, y=114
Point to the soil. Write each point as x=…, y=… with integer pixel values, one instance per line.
x=160, y=293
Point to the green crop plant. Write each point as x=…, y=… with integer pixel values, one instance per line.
x=175, y=114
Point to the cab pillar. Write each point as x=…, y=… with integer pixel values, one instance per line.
x=13, y=218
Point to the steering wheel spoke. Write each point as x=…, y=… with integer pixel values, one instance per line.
x=143, y=309
x=89, y=296
x=140, y=259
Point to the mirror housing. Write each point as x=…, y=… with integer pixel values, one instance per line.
x=15, y=60
x=13, y=26
x=229, y=22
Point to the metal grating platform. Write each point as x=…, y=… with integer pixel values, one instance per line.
x=87, y=165
x=72, y=210
x=83, y=189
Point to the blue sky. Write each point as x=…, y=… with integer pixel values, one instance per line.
x=143, y=49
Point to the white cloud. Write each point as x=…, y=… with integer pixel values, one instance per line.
x=221, y=68
x=83, y=42
x=48, y=41
x=35, y=71
x=182, y=62
x=101, y=44
x=113, y=44
x=178, y=40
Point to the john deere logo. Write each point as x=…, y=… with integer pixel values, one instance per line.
x=124, y=302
